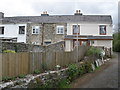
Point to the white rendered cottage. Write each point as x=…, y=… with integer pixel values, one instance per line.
x=89, y=30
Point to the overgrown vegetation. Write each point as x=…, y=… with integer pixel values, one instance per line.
x=8, y=51
x=21, y=76
x=74, y=71
x=116, y=42
x=6, y=79
x=53, y=83
x=37, y=71
x=92, y=51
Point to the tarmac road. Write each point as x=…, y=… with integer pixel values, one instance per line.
x=105, y=77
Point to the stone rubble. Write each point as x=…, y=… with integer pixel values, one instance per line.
x=22, y=83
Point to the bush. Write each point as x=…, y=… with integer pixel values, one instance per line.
x=116, y=42
x=92, y=51
x=8, y=51
x=85, y=68
x=63, y=83
x=116, y=46
x=72, y=71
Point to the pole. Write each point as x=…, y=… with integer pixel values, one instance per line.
x=42, y=33
x=0, y=60
x=77, y=42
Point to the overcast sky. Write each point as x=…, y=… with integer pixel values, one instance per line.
x=59, y=7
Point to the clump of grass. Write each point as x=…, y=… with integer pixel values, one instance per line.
x=37, y=71
x=21, y=76
x=8, y=51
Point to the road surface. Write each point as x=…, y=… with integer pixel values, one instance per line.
x=105, y=77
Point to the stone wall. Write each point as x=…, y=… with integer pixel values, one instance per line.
x=22, y=47
x=47, y=33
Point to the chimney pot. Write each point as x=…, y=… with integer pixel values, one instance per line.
x=78, y=12
x=45, y=13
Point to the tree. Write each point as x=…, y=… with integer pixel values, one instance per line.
x=116, y=42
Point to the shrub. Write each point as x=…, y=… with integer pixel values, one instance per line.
x=44, y=66
x=116, y=42
x=63, y=83
x=8, y=51
x=72, y=71
x=85, y=68
x=92, y=51
x=116, y=46
x=88, y=67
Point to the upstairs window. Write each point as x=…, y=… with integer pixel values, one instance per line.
x=102, y=29
x=1, y=30
x=21, y=29
x=35, y=29
x=60, y=30
x=76, y=29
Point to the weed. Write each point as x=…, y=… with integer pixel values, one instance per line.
x=37, y=71
x=8, y=51
x=21, y=76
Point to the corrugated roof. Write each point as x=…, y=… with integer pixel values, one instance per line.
x=60, y=19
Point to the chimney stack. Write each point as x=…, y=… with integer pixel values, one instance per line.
x=1, y=15
x=45, y=13
x=78, y=12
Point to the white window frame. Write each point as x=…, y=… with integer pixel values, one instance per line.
x=59, y=32
x=35, y=27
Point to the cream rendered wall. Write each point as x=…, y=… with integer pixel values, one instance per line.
x=89, y=29
x=12, y=31
x=105, y=43
x=68, y=45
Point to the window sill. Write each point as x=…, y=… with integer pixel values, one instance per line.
x=103, y=34
x=35, y=33
x=60, y=33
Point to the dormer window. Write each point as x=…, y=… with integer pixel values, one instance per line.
x=102, y=29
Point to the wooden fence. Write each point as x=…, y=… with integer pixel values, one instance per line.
x=15, y=64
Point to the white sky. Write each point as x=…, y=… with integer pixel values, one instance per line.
x=59, y=7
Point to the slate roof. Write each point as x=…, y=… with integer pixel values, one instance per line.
x=87, y=37
x=60, y=19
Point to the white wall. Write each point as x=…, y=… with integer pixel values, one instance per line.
x=68, y=45
x=12, y=31
x=89, y=29
x=105, y=43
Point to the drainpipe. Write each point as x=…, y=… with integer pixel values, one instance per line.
x=42, y=33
